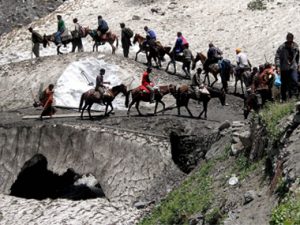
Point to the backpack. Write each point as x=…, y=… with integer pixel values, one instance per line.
x=128, y=32
x=81, y=31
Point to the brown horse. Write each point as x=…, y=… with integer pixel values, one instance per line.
x=138, y=95
x=156, y=54
x=140, y=40
x=66, y=39
x=214, y=69
x=91, y=96
x=108, y=37
x=184, y=93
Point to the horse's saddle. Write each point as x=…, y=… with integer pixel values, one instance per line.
x=214, y=66
x=107, y=93
x=104, y=37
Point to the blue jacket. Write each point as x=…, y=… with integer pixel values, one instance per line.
x=102, y=25
x=152, y=34
x=178, y=45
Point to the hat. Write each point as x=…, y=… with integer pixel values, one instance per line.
x=238, y=50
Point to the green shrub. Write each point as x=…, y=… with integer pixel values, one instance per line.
x=192, y=196
x=257, y=5
x=287, y=212
x=272, y=114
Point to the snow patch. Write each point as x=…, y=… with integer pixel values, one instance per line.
x=80, y=76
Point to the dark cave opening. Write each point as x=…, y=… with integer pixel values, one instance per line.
x=35, y=181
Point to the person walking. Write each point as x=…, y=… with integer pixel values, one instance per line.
x=36, y=39
x=126, y=34
x=77, y=36
x=287, y=63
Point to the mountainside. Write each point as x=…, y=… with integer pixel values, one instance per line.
x=18, y=13
x=162, y=169
x=227, y=23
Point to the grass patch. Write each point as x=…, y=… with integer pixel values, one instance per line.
x=192, y=196
x=287, y=212
x=242, y=167
x=272, y=114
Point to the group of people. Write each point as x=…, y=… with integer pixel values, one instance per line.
x=286, y=59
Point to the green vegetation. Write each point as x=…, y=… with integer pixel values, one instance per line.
x=272, y=114
x=257, y=5
x=242, y=167
x=194, y=195
x=287, y=212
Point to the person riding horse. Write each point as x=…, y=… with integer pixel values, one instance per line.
x=147, y=84
x=150, y=32
x=180, y=42
x=196, y=84
x=214, y=54
x=243, y=63
x=102, y=27
x=61, y=27
x=100, y=87
x=151, y=48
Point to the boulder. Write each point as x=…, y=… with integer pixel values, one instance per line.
x=225, y=125
x=135, y=17
x=249, y=196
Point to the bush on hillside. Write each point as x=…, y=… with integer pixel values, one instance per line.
x=257, y=5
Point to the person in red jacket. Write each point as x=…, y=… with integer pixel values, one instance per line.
x=47, y=100
x=146, y=82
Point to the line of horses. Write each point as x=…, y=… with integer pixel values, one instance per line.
x=71, y=37
x=182, y=94
x=158, y=56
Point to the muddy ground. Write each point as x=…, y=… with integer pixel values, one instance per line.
x=162, y=124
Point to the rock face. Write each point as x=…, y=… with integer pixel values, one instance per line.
x=128, y=166
x=22, y=12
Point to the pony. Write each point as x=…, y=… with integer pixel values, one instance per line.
x=157, y=55
x=91, y=96
x=139, y=95
x=214, y=69
x=108, y=37
x=66, y=39
x=184, y=93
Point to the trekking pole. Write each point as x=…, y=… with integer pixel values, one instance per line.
x=266, y=59
x=90, y=83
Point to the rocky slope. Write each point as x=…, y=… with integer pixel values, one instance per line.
x=229, y=24
x=15, y=14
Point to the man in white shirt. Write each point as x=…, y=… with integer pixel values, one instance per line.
x=242, y=61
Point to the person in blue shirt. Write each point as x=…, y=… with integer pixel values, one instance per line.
x=151, y=33
x=102, y=25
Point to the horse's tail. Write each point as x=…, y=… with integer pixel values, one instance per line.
x=127, y=99
x=81, y=102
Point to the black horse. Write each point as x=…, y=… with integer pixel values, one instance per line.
x=65, y=40
x=184, y=93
